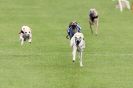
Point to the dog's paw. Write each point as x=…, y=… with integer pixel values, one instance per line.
x=73, y=61
x=81, y=65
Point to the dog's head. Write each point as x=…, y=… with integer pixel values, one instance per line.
x=26, y=31
x=93, y=11
x=78, y=38
x=73, y=24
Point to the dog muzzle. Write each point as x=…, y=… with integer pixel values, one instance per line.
x=78, y=42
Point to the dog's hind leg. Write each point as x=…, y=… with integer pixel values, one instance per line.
x=78, y=55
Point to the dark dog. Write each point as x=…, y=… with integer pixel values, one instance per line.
x=93, y=20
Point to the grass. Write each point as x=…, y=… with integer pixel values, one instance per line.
x=47, y=62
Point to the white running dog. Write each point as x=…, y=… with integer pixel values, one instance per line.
x=25, y=34
x=121, y=4
x=78, y=44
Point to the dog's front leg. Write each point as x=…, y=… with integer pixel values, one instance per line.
x=81, y=64
x=30, y=38
x=91, y=26
x=21, y=39
x=120, y=5
x=128, y=5
x=74, y=53
x=96, y=26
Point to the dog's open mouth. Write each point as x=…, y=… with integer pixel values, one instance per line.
x=26, y=37
x=77, y=42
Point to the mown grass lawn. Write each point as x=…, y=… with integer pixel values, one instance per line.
x=47, y=62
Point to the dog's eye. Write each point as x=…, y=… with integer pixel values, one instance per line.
x=29, y=32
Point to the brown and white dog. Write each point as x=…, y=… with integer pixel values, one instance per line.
x=93, y=20
x=25, y=34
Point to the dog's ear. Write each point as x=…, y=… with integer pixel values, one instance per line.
x=95, y=12
x=82, y=36
x=90, y=11
x=71, y=42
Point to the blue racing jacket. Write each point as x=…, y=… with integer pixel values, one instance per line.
x=71, y=31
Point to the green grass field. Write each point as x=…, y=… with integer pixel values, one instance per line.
x=47, y=62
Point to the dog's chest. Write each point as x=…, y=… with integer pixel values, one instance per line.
x=79, y=49
x=26, y=37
